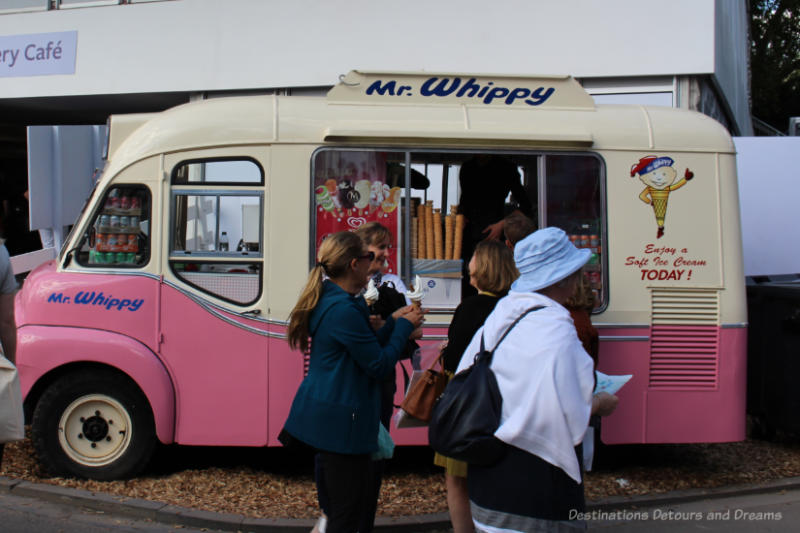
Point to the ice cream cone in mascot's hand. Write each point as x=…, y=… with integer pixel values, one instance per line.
x=415, y=294
x=658, y=175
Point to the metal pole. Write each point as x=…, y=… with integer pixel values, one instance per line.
x=407, y=223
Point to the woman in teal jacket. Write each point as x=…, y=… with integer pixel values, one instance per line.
x=337, y=408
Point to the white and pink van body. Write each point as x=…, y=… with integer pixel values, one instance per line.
x=164, y=317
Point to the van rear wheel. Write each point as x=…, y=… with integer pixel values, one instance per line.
x=93, y=424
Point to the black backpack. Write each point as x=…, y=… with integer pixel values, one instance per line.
x=466, y=416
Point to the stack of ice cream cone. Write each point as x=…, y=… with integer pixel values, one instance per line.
x=430, y=240
x=414, y=238
x=421, y=232
x=437, y=235
x=430, y=245
x=458, y=237
x=449, y=233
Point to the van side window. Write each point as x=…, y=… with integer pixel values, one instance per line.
x=574, y=204
x=219, y=172
x=119, y=235
x=216, y=237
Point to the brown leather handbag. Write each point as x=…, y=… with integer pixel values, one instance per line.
x=425, y=388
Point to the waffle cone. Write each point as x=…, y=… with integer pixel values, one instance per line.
x=437, y=234
x=459, y=236
x=430, y=248
x=421, y=232
x=414, y=239
x=448, y=236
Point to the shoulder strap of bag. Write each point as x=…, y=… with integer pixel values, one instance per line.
x=437, y=361
x=491, y=353
x=406, y=382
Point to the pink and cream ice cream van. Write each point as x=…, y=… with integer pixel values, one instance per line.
x=164, y=317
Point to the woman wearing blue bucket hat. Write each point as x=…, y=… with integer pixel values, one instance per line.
x=546, y=380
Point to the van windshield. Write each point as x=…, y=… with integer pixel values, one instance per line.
x=89, y=198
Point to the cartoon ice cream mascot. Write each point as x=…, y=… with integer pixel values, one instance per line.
x=658, y=176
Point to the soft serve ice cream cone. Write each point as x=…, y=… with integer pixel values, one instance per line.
x=416, y=292
x=371, y=294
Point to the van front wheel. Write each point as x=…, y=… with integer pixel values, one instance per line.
x=94, y=424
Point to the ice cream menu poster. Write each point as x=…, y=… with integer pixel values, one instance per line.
x=350, y=190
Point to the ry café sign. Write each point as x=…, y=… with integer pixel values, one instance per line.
x=561, y=92
x=39, y=54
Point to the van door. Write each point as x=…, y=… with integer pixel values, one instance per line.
x=213, y=339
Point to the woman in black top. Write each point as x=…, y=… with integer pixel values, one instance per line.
x=491, y=272
x=391, y=297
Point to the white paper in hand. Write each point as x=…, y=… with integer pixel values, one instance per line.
x=610, y=384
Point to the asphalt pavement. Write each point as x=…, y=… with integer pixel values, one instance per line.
x=22, y=514
x=27, y=507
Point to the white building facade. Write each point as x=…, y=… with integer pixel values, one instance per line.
x=77, y=61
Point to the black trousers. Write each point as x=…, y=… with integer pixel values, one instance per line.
x=376, y=468
x=345, y=482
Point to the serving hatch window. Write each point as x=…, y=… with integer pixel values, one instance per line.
x=453, y=200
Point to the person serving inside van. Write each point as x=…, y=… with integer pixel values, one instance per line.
x=486, y=180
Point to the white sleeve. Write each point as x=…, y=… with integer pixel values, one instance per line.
x=574, y=376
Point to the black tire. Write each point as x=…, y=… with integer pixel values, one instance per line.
x=93, y=424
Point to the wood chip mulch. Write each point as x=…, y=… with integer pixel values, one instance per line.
x=273, y=483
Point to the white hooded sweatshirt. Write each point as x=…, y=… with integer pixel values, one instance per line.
x=545, y=376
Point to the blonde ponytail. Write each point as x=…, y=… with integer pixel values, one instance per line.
x=299, y=317
x=333, y=258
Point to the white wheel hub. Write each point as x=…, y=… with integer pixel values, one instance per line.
x=94, y=430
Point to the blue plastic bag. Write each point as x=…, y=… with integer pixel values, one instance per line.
x=385, y=445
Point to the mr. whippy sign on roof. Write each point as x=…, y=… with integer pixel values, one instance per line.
x=550, y=92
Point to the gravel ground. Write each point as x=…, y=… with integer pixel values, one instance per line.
x=278, y=483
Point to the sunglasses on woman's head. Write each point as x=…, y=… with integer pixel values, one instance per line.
x=368, y=255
